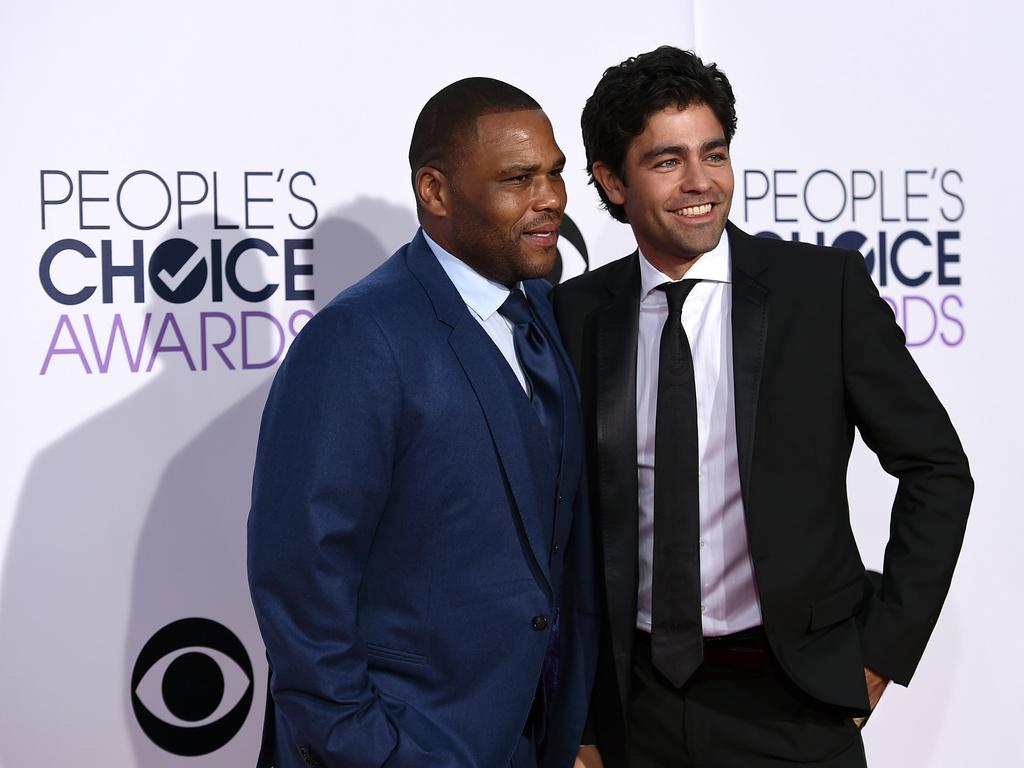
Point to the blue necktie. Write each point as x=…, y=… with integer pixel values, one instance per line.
x=538, y=361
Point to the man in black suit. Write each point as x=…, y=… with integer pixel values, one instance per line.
x=722, y=381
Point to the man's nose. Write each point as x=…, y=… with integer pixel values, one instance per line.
x=695, y=178
x=550, y=195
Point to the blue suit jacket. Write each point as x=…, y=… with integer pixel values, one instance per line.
x=402, y=541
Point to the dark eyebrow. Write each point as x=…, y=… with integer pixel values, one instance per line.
x=681, y=149
x=519, y=169
x=651, y=154
x=525, y=169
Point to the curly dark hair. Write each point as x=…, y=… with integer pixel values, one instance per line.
x=632, y=91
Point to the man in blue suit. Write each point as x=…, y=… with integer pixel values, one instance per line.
x=419, y=553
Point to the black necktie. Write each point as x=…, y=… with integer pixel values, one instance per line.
x=538, y=361
x=677, y=643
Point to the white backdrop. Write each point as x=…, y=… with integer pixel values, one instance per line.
x=131, y=421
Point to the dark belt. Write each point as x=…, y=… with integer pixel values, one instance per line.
x=745, y=651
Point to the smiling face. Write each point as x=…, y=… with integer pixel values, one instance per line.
x=504, y=202
x=676, y=186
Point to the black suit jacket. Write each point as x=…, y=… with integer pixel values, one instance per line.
x=816, y=354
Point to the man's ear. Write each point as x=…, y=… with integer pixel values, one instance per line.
x=433, y=191
x=609, y=181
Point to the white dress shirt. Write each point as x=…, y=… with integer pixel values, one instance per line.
x=483, y=297
x=729, y=601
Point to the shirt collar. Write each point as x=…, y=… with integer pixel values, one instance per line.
x=714, y=266
x=481, y=295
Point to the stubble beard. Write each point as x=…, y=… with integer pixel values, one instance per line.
x=696, y=243
x=503, y=259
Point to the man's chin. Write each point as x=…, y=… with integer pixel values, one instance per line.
x=537, y=262
x=704, y=239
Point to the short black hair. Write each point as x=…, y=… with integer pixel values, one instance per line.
x=441, y=128
x=629, y=93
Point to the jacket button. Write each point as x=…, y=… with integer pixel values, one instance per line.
x=539, y=623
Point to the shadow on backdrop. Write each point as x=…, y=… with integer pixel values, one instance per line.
x=136, y=519
x=194, y=534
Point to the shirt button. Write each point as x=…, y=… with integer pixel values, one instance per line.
x=556, y=548
x=702, y=543
x=702, y=608
x=539, y=622
x=700, y=475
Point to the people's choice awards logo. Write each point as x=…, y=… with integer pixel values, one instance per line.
x=906, y=222
x=97, y=253
x=192, y=687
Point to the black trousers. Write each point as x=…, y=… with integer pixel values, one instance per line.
x=739, y=710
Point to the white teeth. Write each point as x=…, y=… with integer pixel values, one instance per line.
x=695, y=210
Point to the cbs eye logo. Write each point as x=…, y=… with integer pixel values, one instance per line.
x=570, y=243
x=192, y=687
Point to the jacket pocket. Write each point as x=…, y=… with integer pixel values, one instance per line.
x=386, y=654
x=837, y=606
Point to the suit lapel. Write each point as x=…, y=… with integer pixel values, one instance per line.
x=508, y=427
x=499, y=401
x=617, y=326
x=749, y=336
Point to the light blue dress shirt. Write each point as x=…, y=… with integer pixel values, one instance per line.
x=483, y=297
